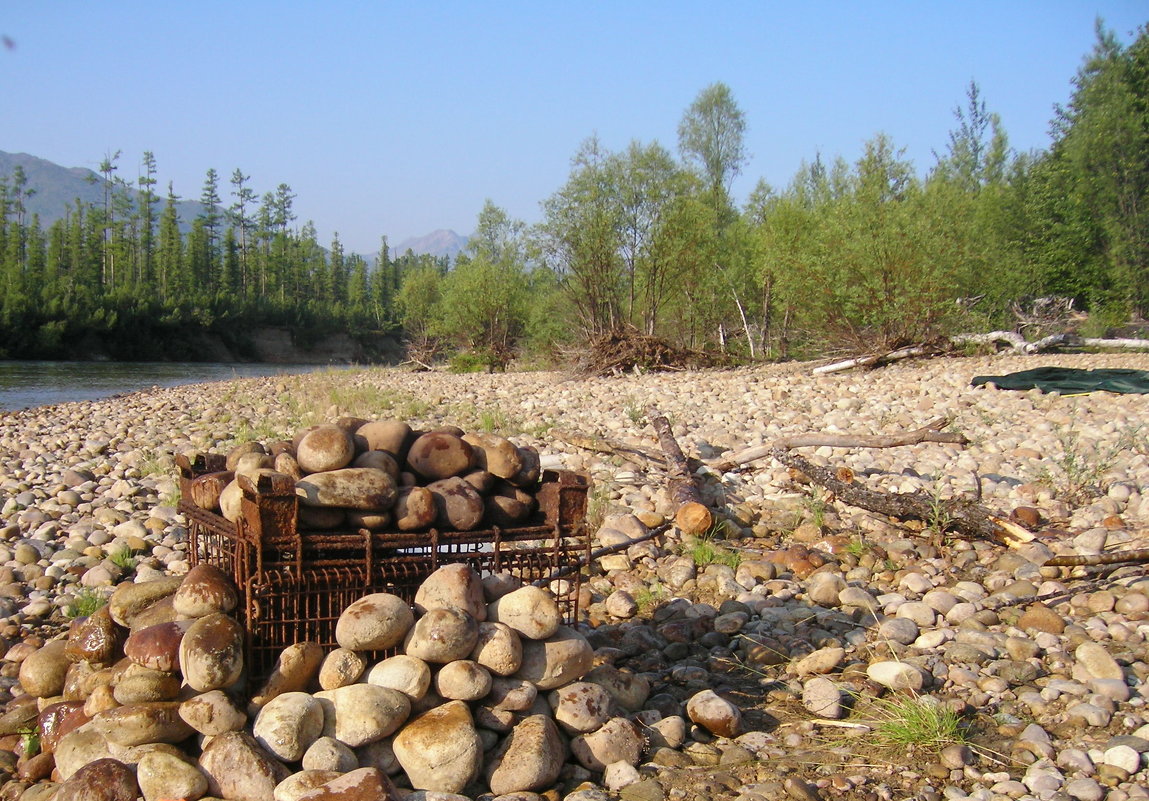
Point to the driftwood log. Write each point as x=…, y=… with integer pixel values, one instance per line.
x=962, y=516
x=930, y=432
x=692, y=515
x=1013, y=339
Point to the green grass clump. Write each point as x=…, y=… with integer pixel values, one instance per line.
x=86, y=602
x=122, y=558
x=916, y=722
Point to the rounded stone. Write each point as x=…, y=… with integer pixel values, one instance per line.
x=294, y=670
x=581, y=707
x=212, y=713
x=455, y=585
x=407, y=674
x=328, y=754
x=326, y=447
x=211, y=653
x=458, y=505
x=558, y=660
x=288, y=724
x=896, y=675
x=462, y=680
x=822, y=697
x=531, y=611
x=238, y=767
x=205, y=590
x=442, y=635
x=384, y=435
x=105, y=779
x=341, y=667
x=162, y=775
x=45, y=670
x=618, y=740
x=136, y=724
x=361, y=488
x=529, y=759
x=362, y=713
x=93, y=638
x=715, y=714
x=440, y=455
x=375, y=622
x=440, y=750
x=498, y=648
x=157, y=647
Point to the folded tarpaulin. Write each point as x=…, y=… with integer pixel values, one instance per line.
x=1070, y=381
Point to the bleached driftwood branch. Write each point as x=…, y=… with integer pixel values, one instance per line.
x=930, y=432
x=1013, y=339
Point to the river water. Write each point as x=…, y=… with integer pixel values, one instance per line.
x=27, y=384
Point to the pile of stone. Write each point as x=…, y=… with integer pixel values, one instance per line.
x=372, y=474
x=486, y=693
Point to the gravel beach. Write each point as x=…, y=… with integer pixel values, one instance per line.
x=824, y=617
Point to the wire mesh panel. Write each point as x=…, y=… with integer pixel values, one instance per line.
x=296, y=583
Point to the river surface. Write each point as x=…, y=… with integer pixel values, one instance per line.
x=27, y=384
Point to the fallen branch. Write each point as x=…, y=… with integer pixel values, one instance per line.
x=876, y=360
x=632, y=453
x=930, y=432
x=962, y=516
x=1111, y=558
x=692, y=516
x=1014, y=340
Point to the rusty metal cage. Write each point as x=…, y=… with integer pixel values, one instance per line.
x=294, y=583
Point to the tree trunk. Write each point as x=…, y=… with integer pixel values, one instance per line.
x=692, y=516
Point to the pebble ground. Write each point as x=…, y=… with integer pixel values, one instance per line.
x=1046, y=666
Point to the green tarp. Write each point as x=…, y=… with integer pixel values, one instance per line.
x=1069, y=381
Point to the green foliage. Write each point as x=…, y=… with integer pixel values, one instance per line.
x=915, y=722
x=85, y=602
x=1076, y=474
x=649, y=597
x=29, y=740
x=122, y=558
x=704, y=550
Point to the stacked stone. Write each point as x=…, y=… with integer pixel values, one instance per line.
x=382, y=474
x=488, y=693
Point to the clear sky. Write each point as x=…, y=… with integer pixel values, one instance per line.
x=399, y=118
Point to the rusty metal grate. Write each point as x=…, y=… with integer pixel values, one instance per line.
x=295, y=583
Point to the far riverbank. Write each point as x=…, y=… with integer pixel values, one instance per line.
x=29, y=384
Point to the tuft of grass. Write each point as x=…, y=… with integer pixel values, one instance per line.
x=705, y=551
x=649, y=597
x=171, y=498
x=597, y=504
x=634, y=411
x=30, y=740
x=857, y=547
x=916, y=722
x=1077, y=472
x=816, y=504
x=939, y=518
x=84, y=603
x=122, y=558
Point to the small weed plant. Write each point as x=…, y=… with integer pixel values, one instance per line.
x=29, y=740
x=704, y=550
x=916, y=722
x=939, y=518
x=122, y=558
x=815, y=504
x=649, y=597
x=84, y=603
x=1076, y=474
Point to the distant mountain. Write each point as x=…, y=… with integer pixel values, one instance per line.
x=437, y=243
x=56, y=188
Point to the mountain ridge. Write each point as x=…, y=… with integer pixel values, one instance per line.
x=56, y=188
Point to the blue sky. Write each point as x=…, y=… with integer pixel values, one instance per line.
x=399, y=118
